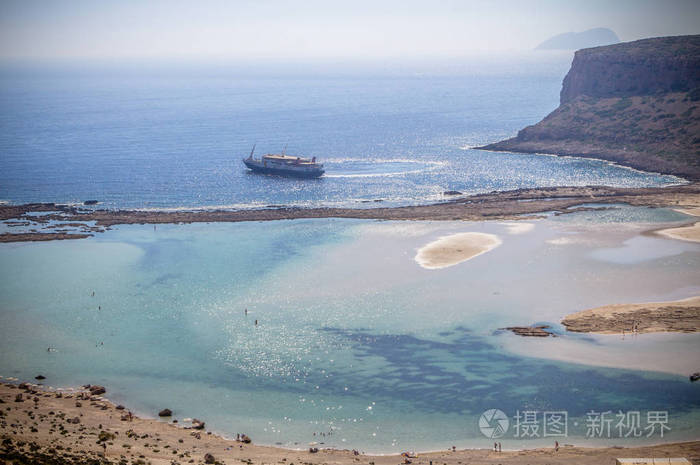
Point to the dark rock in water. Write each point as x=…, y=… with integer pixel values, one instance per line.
x=40, y=377
x=197, y=424
x=530, y=331
x=90, y=202
x=246, y=439
x=166, y=412
x=119, y=407
x=208, y=458
x=97, y=390
x=694, y=377
x=452, y=193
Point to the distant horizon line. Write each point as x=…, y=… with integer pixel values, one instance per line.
x=285, y=58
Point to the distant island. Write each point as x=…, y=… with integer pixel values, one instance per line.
x=634, y=103
x=576, y=40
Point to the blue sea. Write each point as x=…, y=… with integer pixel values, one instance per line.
x=356, y=345
x=175, y=139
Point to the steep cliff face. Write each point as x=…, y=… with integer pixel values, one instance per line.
x=643, y=67
x=636, y=103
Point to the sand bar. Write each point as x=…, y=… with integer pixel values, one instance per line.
x=683, y=233
x=675, y=316
x=506, y=205
x=47, y=427
x=455, y=248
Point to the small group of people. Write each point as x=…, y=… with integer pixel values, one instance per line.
x=497, y=447
x=329, y=433
x=246, y=314
x=635, y=329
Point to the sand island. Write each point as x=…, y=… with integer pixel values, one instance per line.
x=454, y=249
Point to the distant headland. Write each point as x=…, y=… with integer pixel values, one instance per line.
x=576, y=40
x=634, y=103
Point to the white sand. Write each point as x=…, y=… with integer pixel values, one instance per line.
x=683, y=233
x=454, y=249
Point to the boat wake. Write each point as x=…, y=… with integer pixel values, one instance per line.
x=370, y=168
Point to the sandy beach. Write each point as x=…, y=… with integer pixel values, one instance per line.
x=683, y=233
x=73, y=426
x=456, y=248
x=675, y=316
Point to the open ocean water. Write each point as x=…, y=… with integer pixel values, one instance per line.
x=174, y=140
x=357, y=346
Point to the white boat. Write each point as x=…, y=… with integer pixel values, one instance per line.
x=284, y=165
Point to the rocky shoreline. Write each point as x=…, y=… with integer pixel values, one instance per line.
x=632, y=103
x=39, y=425
x=492, y=206
x=681, y=316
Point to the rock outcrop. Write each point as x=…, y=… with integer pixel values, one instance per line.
x=636, y=103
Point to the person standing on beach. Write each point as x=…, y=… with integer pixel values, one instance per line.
x=495, y=447
x=499, y=447
x=556, y=446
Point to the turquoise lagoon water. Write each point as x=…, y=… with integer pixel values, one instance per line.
x=353, y=337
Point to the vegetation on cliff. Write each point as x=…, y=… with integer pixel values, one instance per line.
x=636, y=103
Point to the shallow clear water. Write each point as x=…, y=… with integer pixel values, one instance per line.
x=353, y=336
x=176, y=141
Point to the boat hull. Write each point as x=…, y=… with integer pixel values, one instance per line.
x=301, y=173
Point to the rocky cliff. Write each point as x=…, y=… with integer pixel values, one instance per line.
x=635, y=103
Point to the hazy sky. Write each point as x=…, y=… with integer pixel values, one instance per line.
x=318, y=29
